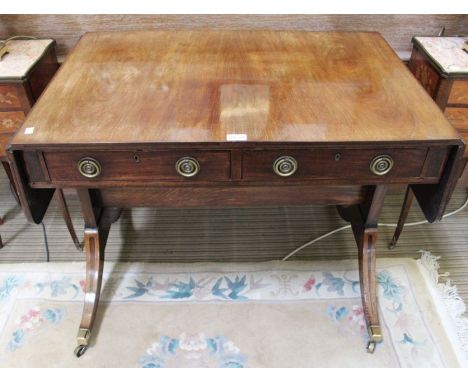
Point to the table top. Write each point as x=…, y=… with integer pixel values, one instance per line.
x=166, y=86
x=446, y=53
x=22, y=56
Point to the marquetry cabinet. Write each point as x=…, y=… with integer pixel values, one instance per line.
x=25, y=72
x=441, y=66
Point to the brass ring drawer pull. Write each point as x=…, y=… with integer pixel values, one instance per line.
x=381, y=164
x=187, y=167
x=89, y=167
x=285, y=166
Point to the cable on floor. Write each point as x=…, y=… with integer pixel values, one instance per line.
x=292, y=253
x=44, y=232
x=46, y=242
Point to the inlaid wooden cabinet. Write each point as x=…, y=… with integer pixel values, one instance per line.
x=441, y=66
x=25, y=72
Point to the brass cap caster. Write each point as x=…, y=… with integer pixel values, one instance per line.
x=80, y=350
x=375, y=335
x=370, y=347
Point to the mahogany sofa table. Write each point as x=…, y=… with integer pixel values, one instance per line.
x=234, y=118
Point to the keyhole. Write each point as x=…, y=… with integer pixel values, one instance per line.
x=337, y=156
x=137, y=158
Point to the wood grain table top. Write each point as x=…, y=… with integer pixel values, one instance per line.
x=206, y=86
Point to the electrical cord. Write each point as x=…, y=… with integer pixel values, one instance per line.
x=46, y=242
x=44, y=232
x=13, y=192
x=19, y=37
x=292, y=253
x=4, y=43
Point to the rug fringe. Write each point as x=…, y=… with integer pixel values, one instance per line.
x=450, y=297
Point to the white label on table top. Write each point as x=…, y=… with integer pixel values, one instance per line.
x=236, y=137
x=29, y=130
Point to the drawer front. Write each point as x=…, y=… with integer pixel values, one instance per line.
x=459, y=92
x=458, y=117
x=138, y=165
x=339, y=164
x=9, y=98
x=10, y=121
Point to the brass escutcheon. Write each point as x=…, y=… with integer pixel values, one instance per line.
x=89, y=167
x=187, y=167
x=285, y=166
x=381, y=164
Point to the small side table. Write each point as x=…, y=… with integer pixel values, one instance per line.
x=441, y=66
x=24, y=73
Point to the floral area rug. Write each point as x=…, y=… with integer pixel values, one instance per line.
x=272, y=314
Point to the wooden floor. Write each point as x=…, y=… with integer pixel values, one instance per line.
x=234, y=234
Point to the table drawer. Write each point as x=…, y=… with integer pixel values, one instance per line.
x=139, y=165
x=9, y=98
x=458, y=117
x=349, y=164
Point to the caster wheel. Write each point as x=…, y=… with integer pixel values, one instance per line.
x=391, y=245
x=370, y=347
x=80, y=350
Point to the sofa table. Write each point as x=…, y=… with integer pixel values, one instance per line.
x=234, y=118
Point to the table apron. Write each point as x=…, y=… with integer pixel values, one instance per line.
x=237, y=196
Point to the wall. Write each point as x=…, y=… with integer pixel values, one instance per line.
x=397, y=29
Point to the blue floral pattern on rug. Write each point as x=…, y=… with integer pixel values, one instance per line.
x=59, y=287
x=193, y=351
x=32, y=322
x=410, y=337
x=351, y=318
x=336, y=284
x=8, y=285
